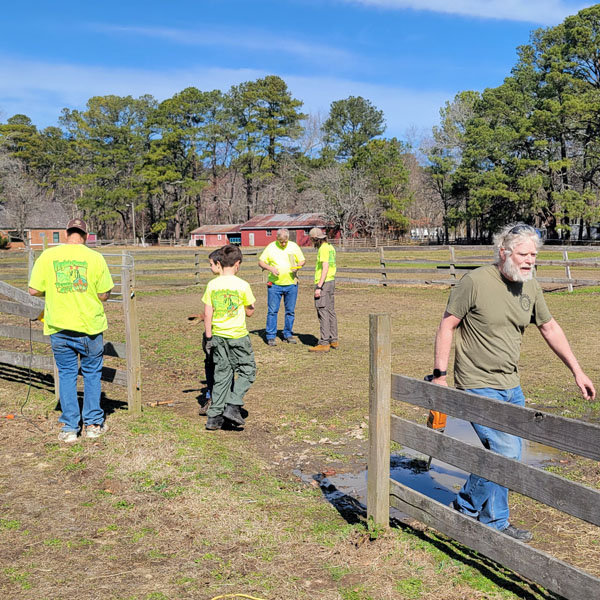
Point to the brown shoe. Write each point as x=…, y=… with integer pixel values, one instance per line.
x=320, y=348
x=335, y=345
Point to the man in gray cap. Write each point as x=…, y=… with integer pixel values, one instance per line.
x=75, y=281
x=324, y=291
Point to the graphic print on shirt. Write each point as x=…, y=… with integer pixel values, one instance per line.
x=71, y=276
x=226, y=303
x=331, y=257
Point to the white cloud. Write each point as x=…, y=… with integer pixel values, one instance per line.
x=543, y=12
x=250, y=40
x=40, y=90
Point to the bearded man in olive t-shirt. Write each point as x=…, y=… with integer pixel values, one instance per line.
x=489, y=310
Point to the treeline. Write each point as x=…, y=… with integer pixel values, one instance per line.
x=526, y=150
x=530, y=148
x=209, y=157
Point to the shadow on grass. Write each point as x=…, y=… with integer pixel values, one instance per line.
x=355, y=512
x=306, y=339
x=40, y=381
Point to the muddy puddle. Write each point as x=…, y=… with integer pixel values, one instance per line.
x=409, y=467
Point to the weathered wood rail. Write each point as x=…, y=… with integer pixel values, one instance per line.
x=567, y=496
x=21, y=304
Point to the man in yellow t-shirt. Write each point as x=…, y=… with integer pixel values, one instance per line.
x=282, y=259
x=228, y=300
x=324, y=291
x=75, y=281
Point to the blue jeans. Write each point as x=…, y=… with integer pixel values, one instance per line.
x=274, y=294
x=482, y=499
x=68, y=347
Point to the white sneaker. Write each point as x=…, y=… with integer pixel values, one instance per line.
x=67, y=436
x=95, y=431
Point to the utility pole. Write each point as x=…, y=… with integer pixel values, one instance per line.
x=133, y=221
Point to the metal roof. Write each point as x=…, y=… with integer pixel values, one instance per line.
x=210, y=229
x=45, y=215
x=285, y=221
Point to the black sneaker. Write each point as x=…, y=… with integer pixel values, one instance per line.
x=518, y=534
x=213, y=423
x=233, y=414
x=290, y=340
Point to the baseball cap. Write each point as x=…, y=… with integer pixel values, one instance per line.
x=77, y=224
x=317, y=233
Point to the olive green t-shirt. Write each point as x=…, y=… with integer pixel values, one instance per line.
x=494, y=313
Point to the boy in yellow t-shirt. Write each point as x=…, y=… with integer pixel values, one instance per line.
x=228, y=300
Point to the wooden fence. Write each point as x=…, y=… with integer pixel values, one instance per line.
x=21, y=304
x=401, y=265
x=153, y=268
x=555, y=491
x=448, y=272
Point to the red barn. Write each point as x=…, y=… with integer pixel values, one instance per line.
x=262, y=229
x=216, y=235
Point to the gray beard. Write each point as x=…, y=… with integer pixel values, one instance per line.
x=510, y=271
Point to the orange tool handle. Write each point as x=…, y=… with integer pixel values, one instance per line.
x=436, y=420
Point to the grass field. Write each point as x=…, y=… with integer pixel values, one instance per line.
x=160, y=509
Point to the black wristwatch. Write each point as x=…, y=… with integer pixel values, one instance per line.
x=437, y=373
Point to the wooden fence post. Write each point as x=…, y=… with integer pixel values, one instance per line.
x=452, y=262
x=567, y=270
x=382, y=263
x=197, y=267
x=132, y=341
x=380, y=389
x=30, y=261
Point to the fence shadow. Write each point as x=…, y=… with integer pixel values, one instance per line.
x=23, y=375
x=354, y=512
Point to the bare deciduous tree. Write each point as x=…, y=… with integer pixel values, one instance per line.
x=346, y=199
x=19, y=194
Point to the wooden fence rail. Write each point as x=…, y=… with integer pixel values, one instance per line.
x=459, y=266
x=567, y=496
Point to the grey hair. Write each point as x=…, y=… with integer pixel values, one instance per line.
x=511, y=235
x=283, y=233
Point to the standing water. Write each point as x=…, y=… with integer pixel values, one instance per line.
x=441, y=481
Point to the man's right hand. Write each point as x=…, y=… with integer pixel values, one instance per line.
x=275, y=271
x=209, y=344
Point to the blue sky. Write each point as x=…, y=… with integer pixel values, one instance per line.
x=406, y=56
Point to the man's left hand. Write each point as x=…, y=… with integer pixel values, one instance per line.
x=586, y=386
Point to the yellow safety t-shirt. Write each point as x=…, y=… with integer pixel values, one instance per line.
x=228, y=294
x=326, y=254
x=72, y=276
x=283, y=259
